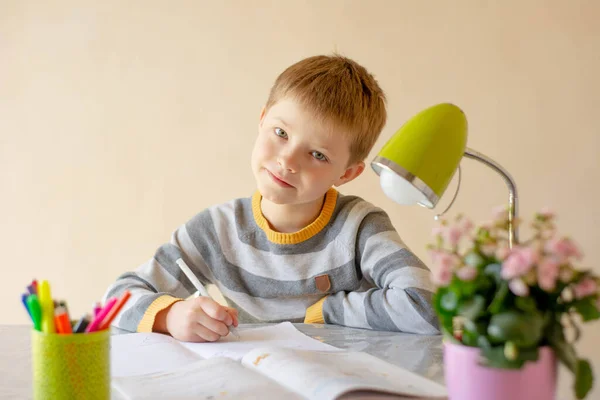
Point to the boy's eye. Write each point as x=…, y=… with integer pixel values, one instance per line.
x=281, y=133
x=319, y=156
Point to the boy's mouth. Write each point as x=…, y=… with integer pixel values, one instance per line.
x=280, y=181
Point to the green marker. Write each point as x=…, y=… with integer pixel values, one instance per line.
x=35, y=310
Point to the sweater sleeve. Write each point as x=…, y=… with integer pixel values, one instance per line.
x=159, y=282
x=397, y=289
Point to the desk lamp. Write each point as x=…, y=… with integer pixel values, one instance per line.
x=416, y=165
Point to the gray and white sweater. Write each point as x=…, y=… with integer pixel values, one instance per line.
x=348, y=267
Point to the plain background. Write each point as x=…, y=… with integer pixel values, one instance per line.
x=121, y=120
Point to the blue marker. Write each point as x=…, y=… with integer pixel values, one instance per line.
x=24, y=300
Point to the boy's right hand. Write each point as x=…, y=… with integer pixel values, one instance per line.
x=199, y=319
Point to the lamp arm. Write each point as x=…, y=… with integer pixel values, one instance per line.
x=512, y=192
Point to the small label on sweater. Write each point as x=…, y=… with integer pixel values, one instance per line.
x=323, y=283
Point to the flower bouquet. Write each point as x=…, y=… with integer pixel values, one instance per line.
x=512, y=306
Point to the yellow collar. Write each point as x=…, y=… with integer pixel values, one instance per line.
x=305, y=233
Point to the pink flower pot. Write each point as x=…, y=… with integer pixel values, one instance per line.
x=466, y=379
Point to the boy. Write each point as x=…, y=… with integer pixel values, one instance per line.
x=297, y=250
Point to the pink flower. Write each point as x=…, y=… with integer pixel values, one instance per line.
x=585, y=287
x=519, y=262
x=444, y=259
x=442, y=276
x=467, y=273
x=465, y=225
x=437, y=231
x=518, y=287
x=563, y=248
x=453, y=234
x=502, y=253
x=547, y=274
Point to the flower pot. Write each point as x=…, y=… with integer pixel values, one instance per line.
x=466, y=379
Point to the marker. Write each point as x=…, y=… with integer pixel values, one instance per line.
x=93, y=326
x=24, y=300
x=31, y=289
x=63, y=325
x=200, y=288
x=97, y=308
x=45, y=299
x=35, y=311
x=108, y=319
x=82, y=324
x=34, y=283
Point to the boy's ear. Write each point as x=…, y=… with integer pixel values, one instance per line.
x=351, y=173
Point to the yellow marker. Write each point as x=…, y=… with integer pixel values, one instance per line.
x=45, y=298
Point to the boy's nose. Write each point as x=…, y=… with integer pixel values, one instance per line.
x=287, y=163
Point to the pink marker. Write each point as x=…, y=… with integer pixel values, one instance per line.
x=93, y=326
x=97, y=308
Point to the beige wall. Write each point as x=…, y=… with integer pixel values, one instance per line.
x=120, y=120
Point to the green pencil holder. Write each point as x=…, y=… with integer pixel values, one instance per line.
x=75, y=366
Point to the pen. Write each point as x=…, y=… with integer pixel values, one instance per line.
x=45, y=299
x=108, y=319
x=200, y=287
x=93, y=326
x=35, y=310
x=82, y=324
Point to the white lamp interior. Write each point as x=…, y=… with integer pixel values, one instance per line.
x=400, y=190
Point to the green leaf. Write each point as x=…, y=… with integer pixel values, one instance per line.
x=584, y=378
x=498, y=301
x=564, y=350
x=472, y=308
x=495, y=357
x=587, y=309
x=525, y=330
x=526, y=304
x=449, y=300
x=494, y=270
x=474, y=260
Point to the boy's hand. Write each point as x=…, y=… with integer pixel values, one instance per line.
x=200, y=319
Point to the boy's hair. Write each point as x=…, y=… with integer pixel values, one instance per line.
x=340, y=91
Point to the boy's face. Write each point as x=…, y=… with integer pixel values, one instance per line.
x=296, y=159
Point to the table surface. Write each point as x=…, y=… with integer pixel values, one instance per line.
x=420, y=354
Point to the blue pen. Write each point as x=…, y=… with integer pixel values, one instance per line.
x=24, y=300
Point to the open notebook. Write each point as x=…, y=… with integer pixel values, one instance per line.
x=274, y=362
x=282, y=373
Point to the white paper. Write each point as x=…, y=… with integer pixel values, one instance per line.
x=320, y=375
x=281, y=335
x=218, y=378
x=143, y=353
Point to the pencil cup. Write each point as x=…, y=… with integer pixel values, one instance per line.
x=75, y=366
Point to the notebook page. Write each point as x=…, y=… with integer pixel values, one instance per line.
x=281, y=335
x=323, y=375
x=218, y=378
x=144, y=353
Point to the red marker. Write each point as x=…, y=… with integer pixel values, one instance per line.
x=114, y=311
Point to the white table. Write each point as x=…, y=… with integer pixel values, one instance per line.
x=420, y=354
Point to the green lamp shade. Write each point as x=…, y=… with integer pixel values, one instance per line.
x=418, y=162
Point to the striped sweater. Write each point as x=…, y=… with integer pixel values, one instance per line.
x=348, y=267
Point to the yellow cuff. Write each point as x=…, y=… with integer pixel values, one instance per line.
x=157, y=305
x=314, y=313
